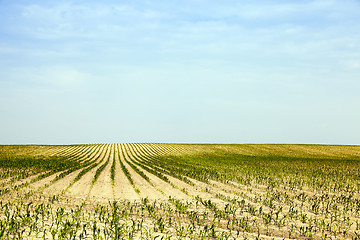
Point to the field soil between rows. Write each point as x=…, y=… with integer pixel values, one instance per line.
x=180, y=191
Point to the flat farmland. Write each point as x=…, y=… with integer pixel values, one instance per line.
x=179, y=191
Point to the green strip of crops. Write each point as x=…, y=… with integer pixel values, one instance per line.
x=224, y=166
x=37, y=162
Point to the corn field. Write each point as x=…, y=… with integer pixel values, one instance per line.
x=179, y=191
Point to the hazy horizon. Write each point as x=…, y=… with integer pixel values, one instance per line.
x=179, y=143
x=180, y=72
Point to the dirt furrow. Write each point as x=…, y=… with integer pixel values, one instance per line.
x=81, y=188
x=60, y=185
x=122, y=187
x=159, y=183
x=146, y=190
x=199, y=188
x=102, y=189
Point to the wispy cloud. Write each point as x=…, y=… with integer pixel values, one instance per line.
x=52, y=78
x=237, y=58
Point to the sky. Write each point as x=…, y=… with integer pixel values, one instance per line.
x=189, y=71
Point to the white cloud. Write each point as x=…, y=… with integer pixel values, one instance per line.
x=51, y=77
x=62, y=77
x=40, y=51
x=185, y=52
x=353, y=64
x=86, y=21
x=268, y=10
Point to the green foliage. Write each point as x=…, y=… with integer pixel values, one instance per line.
x=112, y=176
x=126, y=172
x=320, y=173
x=245, y=191
x=57, y=163
x=99, y=170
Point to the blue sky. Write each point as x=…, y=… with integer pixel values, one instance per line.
x=227, y=71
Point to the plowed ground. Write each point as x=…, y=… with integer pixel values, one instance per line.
x=143, y=191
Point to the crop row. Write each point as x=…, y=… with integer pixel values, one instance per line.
x=272, y=193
